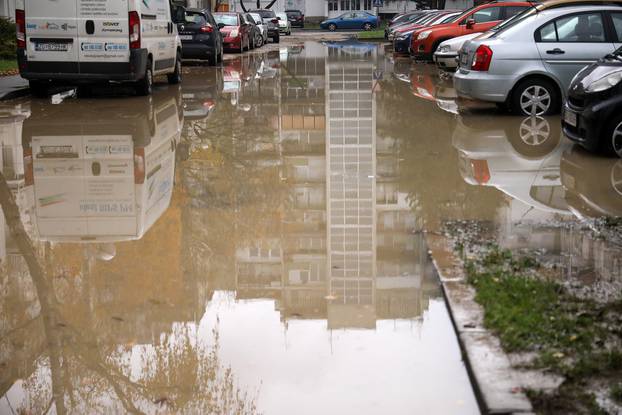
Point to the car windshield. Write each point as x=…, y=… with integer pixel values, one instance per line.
x=513, y=20
x=256, y=17
x=451, y=18
x=294, y=13
x=266, y=14
x=226, y=19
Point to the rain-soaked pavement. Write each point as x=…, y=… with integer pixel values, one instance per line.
x=254, y=240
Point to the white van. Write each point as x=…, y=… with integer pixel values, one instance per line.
x=84, y=41
x=104, y=174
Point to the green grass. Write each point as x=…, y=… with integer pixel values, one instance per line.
x=372, y=34
x=7, y=65
x=530, y=313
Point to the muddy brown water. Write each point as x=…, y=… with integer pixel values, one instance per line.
x=253, y=241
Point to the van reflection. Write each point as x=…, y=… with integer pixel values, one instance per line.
x=518, y=156
x=593, y=184
x=102, y=173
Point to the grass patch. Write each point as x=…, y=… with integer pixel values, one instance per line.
x=7, y=65
x=576, y=338
x=372, y=34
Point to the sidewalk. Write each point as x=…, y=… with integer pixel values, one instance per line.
x=13, y=87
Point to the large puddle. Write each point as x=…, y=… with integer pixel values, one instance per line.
x=254, y=240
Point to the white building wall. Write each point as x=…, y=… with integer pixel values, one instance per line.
x=7, y=9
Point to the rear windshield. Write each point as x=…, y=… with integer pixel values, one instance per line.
x=266, y=14
x=293, y=13
x=196, y=18
x=227, y=19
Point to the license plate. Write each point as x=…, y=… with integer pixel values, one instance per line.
x=570, y=117
x=186, y=37
x=51, y=47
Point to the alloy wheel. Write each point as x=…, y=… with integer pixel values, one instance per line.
x=616, y=140
x=535, y=100
x=534, y=131
x=367, y=26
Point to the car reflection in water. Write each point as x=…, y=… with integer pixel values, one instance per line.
x=100, y=175
x=519, y=156
x=593, y=184
x=427, y=84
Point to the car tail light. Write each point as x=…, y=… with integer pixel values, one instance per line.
x=481, y=173
x=29, y=177
x=207, y=28
x=139, y=165
x=275, y=21
x=482, y=59
x=134, y=30
x=20, y=22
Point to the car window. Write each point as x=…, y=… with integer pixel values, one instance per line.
x=249, y=19
x=513, y=10
x=196, y=18
x=490, y=14
x=617, y=24
x=583, y=27
x=256, y=17
x=227, y=19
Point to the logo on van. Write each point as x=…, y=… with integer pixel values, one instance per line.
x=66, y=27
x=92, y=46
x=31, y=26
x=51, y=26
x=110, y=24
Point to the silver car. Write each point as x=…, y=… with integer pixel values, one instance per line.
x=528, y=65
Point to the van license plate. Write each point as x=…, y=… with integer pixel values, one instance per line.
x=570, y=117
x=185, y=37
x=463, y=59
x=51, y=47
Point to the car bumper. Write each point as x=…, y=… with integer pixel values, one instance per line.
x=85, y=72
x=587, y=130
x=232, y=42
x=273, y=32
x=297, y=24
x=447, y=60
x=283, y=29
x=483, y=86
x=401, y=46
x=196, y=50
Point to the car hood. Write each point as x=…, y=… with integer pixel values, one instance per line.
x=593, y=73
x=456, y=43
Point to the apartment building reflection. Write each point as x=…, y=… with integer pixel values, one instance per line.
x=345, y=248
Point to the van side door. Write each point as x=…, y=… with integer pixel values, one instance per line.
x=159, y=34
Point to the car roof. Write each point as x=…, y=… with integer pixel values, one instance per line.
x=548, y=4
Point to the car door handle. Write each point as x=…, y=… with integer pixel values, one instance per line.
x=556, y=51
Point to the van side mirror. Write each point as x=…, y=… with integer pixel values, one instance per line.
x=470, y=23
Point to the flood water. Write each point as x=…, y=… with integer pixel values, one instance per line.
x=254, y=241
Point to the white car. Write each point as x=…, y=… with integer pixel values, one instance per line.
x=73, y=42
x=446, y=55
x=263, y=27
x=285, y=26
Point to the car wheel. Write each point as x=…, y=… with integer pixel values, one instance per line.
x=332, y=27
x=535, y=97
x=175, y=77
x=276, y=39
x=614, y=137
x=38, y=89
x=534, y=138
x=221, y=54
x=144, y=86
x=367, y=27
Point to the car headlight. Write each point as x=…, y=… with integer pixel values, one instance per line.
x=424, y=35
x=443, y=49
x=233, y=33
x=605, y=82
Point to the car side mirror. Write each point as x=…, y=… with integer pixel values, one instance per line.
x=220, y=25
x=470, y=23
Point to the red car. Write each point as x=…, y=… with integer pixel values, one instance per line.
x=236, y=31
x=477, y=19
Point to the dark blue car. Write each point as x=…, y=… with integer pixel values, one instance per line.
x=401, y=43
x=351, y=20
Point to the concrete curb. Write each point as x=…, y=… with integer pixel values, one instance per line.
x=497, y=384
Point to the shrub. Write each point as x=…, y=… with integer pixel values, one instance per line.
x=7, y=39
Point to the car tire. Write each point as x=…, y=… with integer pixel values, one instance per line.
x=221, y=54
x=535, y=96
x=175, y=77
x=613, y=137
x=276, y=39
x=144, y=86
x=38, y=89
x=533, y=137
x=332, y=27
x=367, y=27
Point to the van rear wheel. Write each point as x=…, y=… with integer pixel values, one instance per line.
x=144, y=86
x=175, y=77
x=38, y=89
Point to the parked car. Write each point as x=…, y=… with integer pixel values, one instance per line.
x=296, y=18
x=200, y=36
x=404, y=19
x=270, y=19
x=401, y=42
x=477, y=19
x=418, y=22
x=446, y=55
x=285, y=27
x=351, y=20
x=593, y=111
x=56, y=43
x=528, y=65
x=263, y=27
x=236, y=31
x=256, y=35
